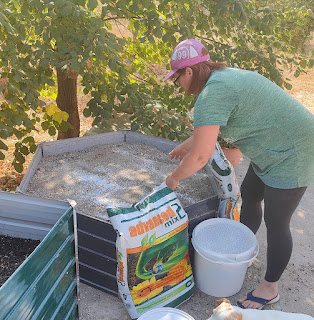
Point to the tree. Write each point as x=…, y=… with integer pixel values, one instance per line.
x=48, y=43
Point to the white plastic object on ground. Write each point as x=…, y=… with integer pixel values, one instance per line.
x=165, y=314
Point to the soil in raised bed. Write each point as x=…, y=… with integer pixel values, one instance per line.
x=112, y=175
x=14, y=251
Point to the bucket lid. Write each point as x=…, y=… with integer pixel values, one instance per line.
x=224, y=239
x=165, y=314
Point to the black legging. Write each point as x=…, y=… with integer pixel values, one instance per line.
x=279, y=205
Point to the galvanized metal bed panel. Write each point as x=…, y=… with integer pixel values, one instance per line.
x=82, y=143
x=162, y=144
x=45, y=285
x=22, y=188
x=28, y=217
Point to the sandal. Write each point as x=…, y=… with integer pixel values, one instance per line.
x=262, y=301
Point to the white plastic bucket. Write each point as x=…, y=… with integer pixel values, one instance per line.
x=165, y=314
x=224, y=240
x=220, y=274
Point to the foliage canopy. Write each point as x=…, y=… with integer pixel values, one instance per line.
x=122, y=70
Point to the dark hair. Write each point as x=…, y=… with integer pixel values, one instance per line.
x=201, y=74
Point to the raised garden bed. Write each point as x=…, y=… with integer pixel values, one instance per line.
x=96, y=237
x=45, y=285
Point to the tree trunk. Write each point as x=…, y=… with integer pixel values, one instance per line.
x=67, y=101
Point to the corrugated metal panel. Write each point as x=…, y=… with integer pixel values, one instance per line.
x=28, y=217
x=97, y=254
x=45, y=285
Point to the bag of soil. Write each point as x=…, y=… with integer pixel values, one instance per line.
x=154, y=268
x=226, y=183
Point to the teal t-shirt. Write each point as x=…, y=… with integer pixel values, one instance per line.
x=268, y=125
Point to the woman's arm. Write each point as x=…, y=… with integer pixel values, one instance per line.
x=202, y=147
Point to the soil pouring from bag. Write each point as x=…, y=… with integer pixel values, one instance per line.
x=112, y=175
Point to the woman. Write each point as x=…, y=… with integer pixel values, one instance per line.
x=268, y=126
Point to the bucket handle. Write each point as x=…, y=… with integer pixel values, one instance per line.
x=231, y=261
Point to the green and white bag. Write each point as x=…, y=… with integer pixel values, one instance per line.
x=226, y=183
x=154, y=269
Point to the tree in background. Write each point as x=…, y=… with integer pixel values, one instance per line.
x=47, y=44
x=294, y=20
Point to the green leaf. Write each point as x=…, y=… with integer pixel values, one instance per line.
x=24, y=150
x=152, y=239
x=92, y=4
x=144, y=240
x=87, y=112
x=237, y=6
x=3, y=146
x=19, y=157
x=2, y=156
x=4, y=134
x=252, y=22
x=65, y=126
x=50, y=82
x=122, y=73
x=4, y=21
x=29, y=140
x=52, y=130
x=19, y=134
x=18, y=167
x=33, y=148
x=66, y=11
x=104, y=12
x=288, y=85
x=45, y=125
x=28, y=123
x=113, y=65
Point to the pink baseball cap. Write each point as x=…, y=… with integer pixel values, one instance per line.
x=186, y=54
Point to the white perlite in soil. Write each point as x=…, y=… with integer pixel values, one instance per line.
x=112, y=175
x=223, y=239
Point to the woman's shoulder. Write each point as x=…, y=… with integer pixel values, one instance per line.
x=225, y=74
x=237, y=78
x=233, y=72
x=225, y=77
